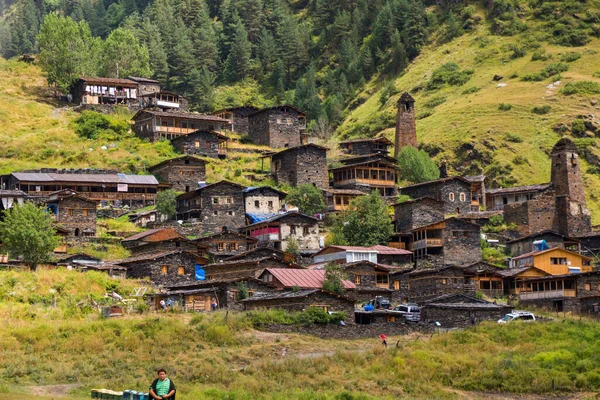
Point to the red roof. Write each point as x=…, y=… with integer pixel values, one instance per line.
x=380, y=249
x=303, y=278
x=155, y=235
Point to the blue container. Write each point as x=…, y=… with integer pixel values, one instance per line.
x=144, y=396
x=126, y=395
x=135, y=395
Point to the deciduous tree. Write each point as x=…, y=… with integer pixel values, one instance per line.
x=166, y=203
x=307, y=198
x=416, y=166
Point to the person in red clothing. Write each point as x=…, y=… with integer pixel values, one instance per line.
x=383, y=339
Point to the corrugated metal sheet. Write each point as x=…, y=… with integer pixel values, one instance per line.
x=185, y=115
x=86, y=178
x=154, y=235
x=303, y=278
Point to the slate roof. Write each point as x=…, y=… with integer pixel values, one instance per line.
x=108, y=81
x=240, y=256
x=86, y=178
x=193, y=193
x=374, y=139
x=183, y=115
x=535, y=253
x=565, y=144
x=547, y=232
x=186, y=157
x=144, y=257
x=516, y=189
x=350, y=192
x=303, y=278
x=442, y=180
x=140, y=79
x=299, y=111
x=290, y=295
x=297, y=148
x=12, y=193
x=510, y=273
x=281, y=216
x=406, y=98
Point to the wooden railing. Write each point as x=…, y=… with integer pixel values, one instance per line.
x=222, y=151
x=547, y=294
x=109, y=195
x=421, y=244
x=174, y=130
x=397, y=245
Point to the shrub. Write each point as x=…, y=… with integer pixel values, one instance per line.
x=245, y=139
x=435, y=101
x=517, y=52
x=424, y=114
x=520, y=160
x=504, y=107
x=570, y=57
x=470, y=90
x=448, y=74
x=578, y=127
x=513, y=137
x=550, y=70
x=540, y=55
x=596, y=74
x=92, y=124
x=581, y=87
x=541, y=110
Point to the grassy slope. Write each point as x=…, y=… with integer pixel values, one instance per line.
x=475, y=118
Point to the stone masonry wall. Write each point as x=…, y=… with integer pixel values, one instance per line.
x=183, y=177
x=152, y=269
x=217, y=215
x=71, y=216
x=413, y=215
x=306, y=164
x=275, y=128
x=306, y=240
x=406, y=128
x=463, y=248
x=199, y=143
x=451, y=318
x=533, y=216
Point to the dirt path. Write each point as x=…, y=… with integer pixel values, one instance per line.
x=51, y=390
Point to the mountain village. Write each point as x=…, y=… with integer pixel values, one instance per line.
x=227, y=246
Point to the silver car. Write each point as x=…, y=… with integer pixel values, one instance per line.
x=517, y=316
x=410, y=312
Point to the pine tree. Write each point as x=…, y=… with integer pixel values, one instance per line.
x=238, y=61
x=203, y=95
x=276, y=81
x=306, y=96
x=96, y=20
x=152, y=39
x=24, y=28
x=398, y=59
x=267, y=50
x=253, y=18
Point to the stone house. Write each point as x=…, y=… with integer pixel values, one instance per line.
x=555, y=261
x=277, y=127
x=540, y=241
x=451, y=241
x=412, y=214
x=589, y=243
x=75, y=213
x=366, y=146
x=94, y=90
x=262, y=202
x=155, y=125
x=377, y=254
x=302, y=164
x=145, y=86
x=339, y=199
x=279, y=229
x=455, y=192
x=366, y=173
x=144, y=218
x=202, y=143
x=458, y=310
x=226, y=244
x=371, y=279
x=164, y=269
x=496, y=199
x=245, y=268
x=160, y=241
x=216, y=205
x=182, y=173
x=290, y=278
x=109, y=186
x=237, y=117
x=301, y=300
x=261, y=252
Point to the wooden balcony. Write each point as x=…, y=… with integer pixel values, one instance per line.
x=547, y=294
x=372, y=182
x=423, y=243
x=97, y=196
x=174, y=130
x=397, y=245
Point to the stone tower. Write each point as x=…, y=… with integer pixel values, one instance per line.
x=573, y=215
x=406, y=128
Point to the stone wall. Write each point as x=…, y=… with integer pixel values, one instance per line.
x=367, y=274
x=183, y=174
x=526, y=245
x=232, y=243
x=455, y=194
x=228, y=210
x=275, y=128
x=72, y=216
x=351, y=331
x=153, y=269
x=533, y=216
x=414, y=214
x=437, y=283
x=305, y=231
x=163, y=247
x=406, y=127
x=240, y=119
x=569, y=304
x=199, y=143
x=459, y=317
x=305, y=164
x=462, y=243
x=262, y=201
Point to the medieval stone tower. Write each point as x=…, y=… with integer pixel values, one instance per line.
x=406, y=128
x=573, y=216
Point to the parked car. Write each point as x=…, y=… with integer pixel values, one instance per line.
x=517, y=316
x=378, y=303
x=410, y=312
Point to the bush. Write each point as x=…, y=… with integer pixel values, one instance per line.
x=424, y=114
x=504, y=107
x=541, y=110
x=570, y=57
x=540, y=55
x=313, y=315
x=245, y=139
x=581, y=87
x=448, y=74
x=92, y=124
x=513, y=137
x=435, y=101
x=520, y=160
x=549, y=71
x=470, y=90
x=517, y=52
x=578, y=127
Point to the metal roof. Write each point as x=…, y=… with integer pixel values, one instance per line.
x=183, y=115
x=380, y=249
x=109, y=81
x=159, y=235
x=303, y=278
x=517, y=189
x=86, y=178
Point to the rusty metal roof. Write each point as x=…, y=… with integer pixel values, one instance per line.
x=183, y=115
x=86, y=178
x=109, y=81
x=303, y=278
x=154, y=235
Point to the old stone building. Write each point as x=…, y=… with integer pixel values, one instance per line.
x=456, y=193
x=226, y=243
x=245, y=268
x=182, y=173
x=339, y=199
x=451, y=241
x=108, y=186
x=144, y=218
x=366, y=146
x=277, y=127
x=412, y=214
x=237, y=117
x=202, y=143
x=496, y=199
x=366, y=173
x=164, y=269
x=217, y=205
x=461, y=310
x=160, y=241
x=154, y=125
x=261, y=252
x=371, y=279
x=540, y=241
x=302, y=164
x=262, y=202
x=145, y=86
x=406, y=127
x=74, y=213
x=280, y=229
x=377, y=254
x=112, y=91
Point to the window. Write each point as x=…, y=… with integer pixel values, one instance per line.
x=463, y=197
x=270, y=204
x=338, y=200
x=454, y=234
x=84, y=212
x=233, y=246
x=215, y=200
x=221, y=246
x=230, y=213
x=391, y=319
x=229, y=200
x=180, y=270
x=396, y=285
x=256, y=203
x=215, y=213
x=466, y=234
x=357, y=279
x=444, y=281
x=292, y=229
x=197, y=144
x=451, y=196
x=70, y=212
x=558, y=260
x=305, y=231
x=164, y=270
x=277, y=165
x=383, y=279
x=588, y=286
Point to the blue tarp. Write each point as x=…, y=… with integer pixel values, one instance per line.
x=254, y=218
x=200, y=273
x=539, y=245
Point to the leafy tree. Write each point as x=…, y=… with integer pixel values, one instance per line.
x=123, y=55
x=307, y=198
x=367, y=221
x=166, y=203
x=416, y=166
x=67, y=51
x=334, y=275
x=292, y=246
x=27, y=233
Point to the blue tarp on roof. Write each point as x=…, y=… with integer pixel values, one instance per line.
x=254, y=218
x=248, y=189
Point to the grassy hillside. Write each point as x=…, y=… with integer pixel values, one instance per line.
x=469, y=129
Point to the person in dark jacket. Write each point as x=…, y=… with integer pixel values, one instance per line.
x=162, y=388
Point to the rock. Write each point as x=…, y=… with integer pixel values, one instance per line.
x=594, y=102
x=560, y=128
x=502, y=85
x=104, y=148
x=497, y=78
